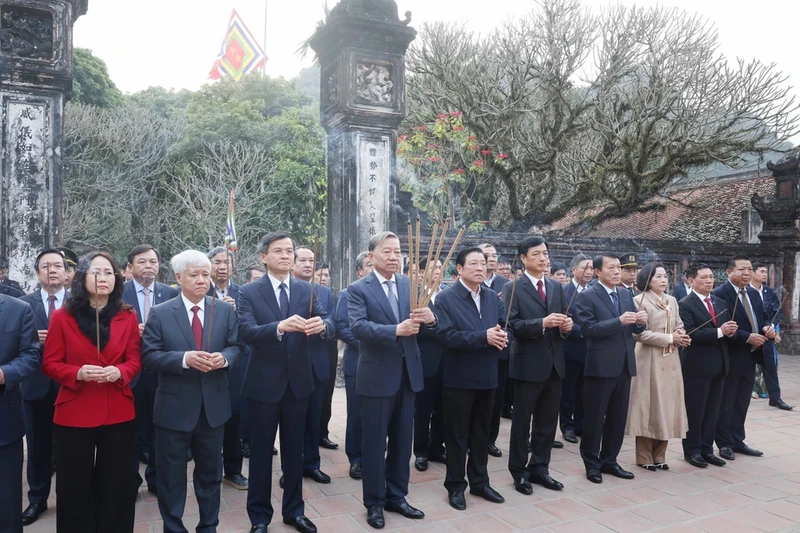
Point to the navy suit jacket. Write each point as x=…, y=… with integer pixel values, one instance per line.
x=679, y=292
x=37, y=385
x=431, y=349
x=707, y=356
x=497, y=286
x=740, y=352
x=19, y=358
x=236, y=374
x=317, y=346
x=382, y=354
x=162, y=292
x=343, y=331
x=181, y=392
x=574, y=344
x=609, y=344
x=276, y=364
x=469, y=361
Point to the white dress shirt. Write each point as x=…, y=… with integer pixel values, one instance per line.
x=385, y=287
x=476, y=295
x=201, y=316
x=578, y=286
x=60, y=295
x=536, y=281
x=703, y=301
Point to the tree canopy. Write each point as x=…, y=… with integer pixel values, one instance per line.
x=91, y=83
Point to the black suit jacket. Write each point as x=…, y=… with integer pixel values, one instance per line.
x=469, y=362
x=741, y=354
x=574, y=344
x=37, y=385
x=679, y=292
x=707, y=356
x=535, y=351
x=430, y=347
x=162, y=293
x=497, y=286
x=181, y=392
x=609, y=344
x=350, y=362
x=19, y=358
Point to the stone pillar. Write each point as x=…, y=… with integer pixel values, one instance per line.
x=35, y=80
x=781, y=232
x=361, y=50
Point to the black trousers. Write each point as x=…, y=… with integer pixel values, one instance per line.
x=144, y=397
x=703, y=400
x=571, y=417
x=330, y=385
x=736, y=397
x=539, y=401
x=11, y=458
x=499, y=395
x=289, y=413
x=311, y=458
x=428, y=423
x=39, y=436
x=467, y=418
x=232, y=447
x=172, y=448
x=605, y=412
x=385, y=465
x=769, y=369
x=352, y=443
x=95, y=492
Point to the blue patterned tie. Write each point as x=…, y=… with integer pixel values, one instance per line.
x=393, y=300
x=284, y=301
x=615, y=299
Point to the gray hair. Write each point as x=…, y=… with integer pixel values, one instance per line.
x=379, y=238
x=218, y=250
x=360, y=260
x=189, y=258
x=578, y=259
x=485, y=245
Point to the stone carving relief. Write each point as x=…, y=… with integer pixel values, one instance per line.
x=332, y=87
x=26, y=32
x=374, y=83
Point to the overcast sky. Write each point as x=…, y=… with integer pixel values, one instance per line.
x=173, y=43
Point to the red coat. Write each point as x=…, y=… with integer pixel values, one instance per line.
x=67, y=349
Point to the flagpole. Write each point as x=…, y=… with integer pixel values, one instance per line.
x=264, y=64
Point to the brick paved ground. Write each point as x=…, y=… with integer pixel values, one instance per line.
x=748, y=495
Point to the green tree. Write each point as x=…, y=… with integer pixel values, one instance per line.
x=91, y=83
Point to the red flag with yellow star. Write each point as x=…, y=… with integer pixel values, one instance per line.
x=240, y=53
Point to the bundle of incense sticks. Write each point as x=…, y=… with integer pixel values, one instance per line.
x=423, y=288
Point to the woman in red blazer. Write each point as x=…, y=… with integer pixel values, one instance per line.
x=93, y=422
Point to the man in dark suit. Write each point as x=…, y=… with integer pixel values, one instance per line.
x=428, y=423
x=388, y=377
x=190, y=343
x=538, y=322
x=38, y=391
x=470, y=318
x=683, y=287
x=274, y=320
x=143, y=293
x=608, y=320
x=630, y=268
x=704, y=363
x=5, y=281
x=744, y=351
x=571, y=415
x=495, y=281
x=19, y=359
x=227, y=291
x=303, y=270
x=352, y=444
x=322, y=276
x=254, y=272
x=772, y=306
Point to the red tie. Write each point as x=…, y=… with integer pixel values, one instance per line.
x=711, y=310
x=541, y=291
x=197, y=329
x=51, y=306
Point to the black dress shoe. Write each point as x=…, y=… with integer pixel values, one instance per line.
x=259, y=528
x=594, y=476
x=523, y=486
x=274, y=450
x=438, y=458
x=697, y=460
x=236, y=481
x=317, y=475
x=617, y=471
x=301, y=524
x=647, y=466
x=744, y=449
x=546, y=481
x=246, y=450
x=712, y=459
x=727, y=453
x=457, y=501
x=152, y=489
x=557, y=444
x=327, y=443
x=144, y=458
x=780, y=404
x=488, y=494
x=569, y=436
x=421, y=464
x=404, y=509
x=375, y=516
x=355, y=471
x=494, y=451
x=31, y=514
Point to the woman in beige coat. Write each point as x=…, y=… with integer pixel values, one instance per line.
x=657, y=410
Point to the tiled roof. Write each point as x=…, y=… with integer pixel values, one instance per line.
x=711, y=212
